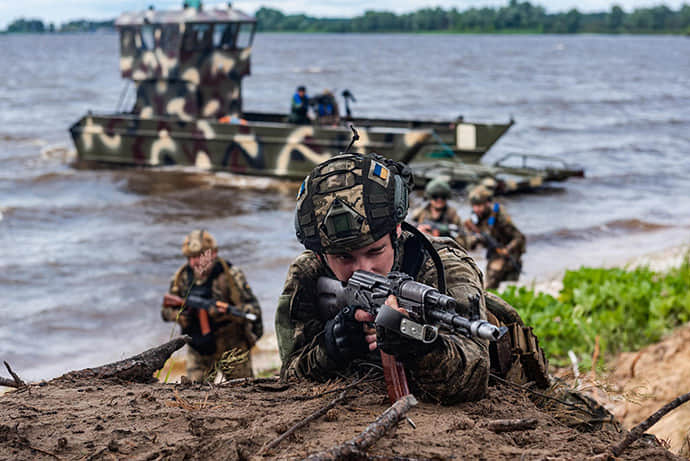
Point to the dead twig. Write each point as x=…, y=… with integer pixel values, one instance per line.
x=317, y=414
x=17, y=380
x=232, y=382
x=138, y=368
x=45, y=452
x=374, y=431
x=637, y=431
x=510, y=425
x=8, y=382
x=338, y=389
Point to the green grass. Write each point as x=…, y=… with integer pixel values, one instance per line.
x=626, y=309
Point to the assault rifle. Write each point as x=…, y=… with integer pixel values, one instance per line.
x=492, y=245
x=204, y=306
x=426, y=307
x=443, y=229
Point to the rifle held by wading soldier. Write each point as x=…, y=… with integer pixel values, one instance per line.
x=443, y=230
x=204, y=306
x=427, y=309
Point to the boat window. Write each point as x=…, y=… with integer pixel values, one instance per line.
x=126, y=39
x=246, y=35
x=224, y=36
x=197, y=37
x=147, y=38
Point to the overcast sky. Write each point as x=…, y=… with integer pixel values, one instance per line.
x=59, y=11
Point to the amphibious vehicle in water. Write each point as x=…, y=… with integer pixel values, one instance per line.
x=187, y=67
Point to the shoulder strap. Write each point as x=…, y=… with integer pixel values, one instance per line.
x=440, y=271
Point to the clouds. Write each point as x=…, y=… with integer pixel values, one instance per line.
x=63, y=11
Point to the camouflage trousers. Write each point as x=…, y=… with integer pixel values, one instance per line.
x=498, y=270
x=200, y=366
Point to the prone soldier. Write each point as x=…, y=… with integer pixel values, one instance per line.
x=213, y=303
x=349, y=216
x=491, y=227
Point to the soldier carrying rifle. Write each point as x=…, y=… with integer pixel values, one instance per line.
x=213, y=303
x=437, y=217
x=491, y=227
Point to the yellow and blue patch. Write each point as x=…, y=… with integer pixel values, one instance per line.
x=380, y=171
x=302, y=188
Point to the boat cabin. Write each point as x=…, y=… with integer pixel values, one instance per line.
x=186, y=63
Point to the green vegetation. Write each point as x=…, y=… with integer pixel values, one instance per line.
x=515, y=17
x=625, y=309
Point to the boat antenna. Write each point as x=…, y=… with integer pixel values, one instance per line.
x=355, y=137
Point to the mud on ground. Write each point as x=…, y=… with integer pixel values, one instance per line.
x=95, y=419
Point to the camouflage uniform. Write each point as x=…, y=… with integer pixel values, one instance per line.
x=449, y=215
x=456, y=370
x=498, y=225
x=223, y=283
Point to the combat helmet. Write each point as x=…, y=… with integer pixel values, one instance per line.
x=437, y=187
x=350, y=201
x=198, y=241
x=479, y=195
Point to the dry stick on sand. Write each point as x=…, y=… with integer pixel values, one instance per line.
x=18, y=383
x=372, y=433
x=510, y=425
x=640, y=429
x=138, y=368
x=317, y=414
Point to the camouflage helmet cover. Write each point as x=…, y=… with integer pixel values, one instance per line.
x=479, y=195
x=437, y=187
x=350, y=201
x=198, y=241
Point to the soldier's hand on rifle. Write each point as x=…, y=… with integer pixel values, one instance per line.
x=394, y=343
x=426, y=228
x=345, y=336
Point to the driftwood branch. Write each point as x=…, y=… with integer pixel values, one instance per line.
x=372, y=433
x=640, y=429
x=18, y=383
x=317, y=414
x=232, y=382
x=510, y=425
x=8, y=382
x=138, y=368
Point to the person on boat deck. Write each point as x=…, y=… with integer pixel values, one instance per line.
x=300, y=107
x=437, y=217
x=490, y=226
x=208, y=276
x=327, y=108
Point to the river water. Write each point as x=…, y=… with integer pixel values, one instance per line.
x=85, y=255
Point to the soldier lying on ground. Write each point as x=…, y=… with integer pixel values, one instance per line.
x=205, y=276
x=349, y=214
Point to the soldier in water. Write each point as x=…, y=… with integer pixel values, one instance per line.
x=349, y=216
x=490, y=226
x=437, y=217
x=205, y=276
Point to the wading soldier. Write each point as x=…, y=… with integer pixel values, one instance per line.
x=349, y=216
x=437, y=218
x=491, y=227
x=231, y=323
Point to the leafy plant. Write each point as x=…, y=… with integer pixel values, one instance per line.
x=626, y=309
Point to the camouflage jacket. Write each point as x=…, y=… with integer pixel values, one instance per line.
x=499, y=225
x=226, y=283
x=457, y=370
x=449, y=216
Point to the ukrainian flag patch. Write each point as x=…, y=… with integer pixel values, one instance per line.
x=380, y=171
x=302, y=188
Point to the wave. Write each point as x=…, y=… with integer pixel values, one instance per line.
x=609, y=228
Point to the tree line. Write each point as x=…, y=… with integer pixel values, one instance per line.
x=518, y=17
x=514, y=17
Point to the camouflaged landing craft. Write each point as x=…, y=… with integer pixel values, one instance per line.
x=187, y=67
